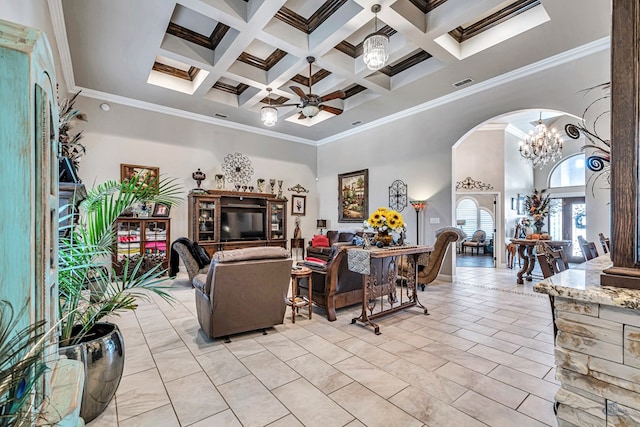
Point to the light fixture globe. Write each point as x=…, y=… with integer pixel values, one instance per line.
x=269, y=116
x=375, y=50
x=375, y=47
x=310, y=110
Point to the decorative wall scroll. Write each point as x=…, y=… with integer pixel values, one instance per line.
x=470, y=184
x=398, y=195
x=298, y=189
x=237, y=169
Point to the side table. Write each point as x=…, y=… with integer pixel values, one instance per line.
x=296, y=301
x=297, y=244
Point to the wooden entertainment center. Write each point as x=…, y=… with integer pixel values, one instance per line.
x=223, y=220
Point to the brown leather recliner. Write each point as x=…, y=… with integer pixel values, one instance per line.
x=244, y=290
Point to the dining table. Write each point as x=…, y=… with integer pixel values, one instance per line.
x=526, y=249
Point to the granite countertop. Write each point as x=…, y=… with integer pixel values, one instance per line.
x=582, y=283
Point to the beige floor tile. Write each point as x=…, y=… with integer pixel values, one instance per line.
x=137, y=359
x=295, y=332
x=189, y=331
x=398, y=335
x=251, y=402
x=518, y=330
x=396, y=347
x=436, y=385
x=486, y=386
x=140, y=393
x=445, y=338
x=355, y=423
x=371, y=409
x=270, y=370
x=430, y=410
x=539, y=409
x=194, y=398
x=536, y=356
x=319, y=373
x=282, y=346
x=525, y=342
x=374, y=355
x=462, y=358
x=541, y=388
x=322, y=348
x=162, y=416
x=488, y=341
x=375, y=379
x=326, y=331
x=244, y=348
x=310, y=405
x=176, y=363
x=132, y=335
x=154, y=323
x=223, y=419
x=163, y=340
x=471, y=326
x=507, y=359
x=222, y=366
x=288, y=421
x=493, y=413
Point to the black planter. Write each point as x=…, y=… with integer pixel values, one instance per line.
x=102, y=353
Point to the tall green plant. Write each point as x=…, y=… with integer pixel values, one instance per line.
x=89, y=289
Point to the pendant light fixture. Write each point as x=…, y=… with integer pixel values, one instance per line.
x=269, y=114
x=375, y=48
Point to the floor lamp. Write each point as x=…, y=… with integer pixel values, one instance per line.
x=418, y=205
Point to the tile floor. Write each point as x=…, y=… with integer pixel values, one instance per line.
x=484, y=356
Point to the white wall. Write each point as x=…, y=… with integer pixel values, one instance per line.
x=518, y=179
x=180, y=146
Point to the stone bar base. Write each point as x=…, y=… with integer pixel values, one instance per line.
x=598, y=364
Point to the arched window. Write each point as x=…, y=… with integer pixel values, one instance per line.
x=568, y=173
x=473, y=217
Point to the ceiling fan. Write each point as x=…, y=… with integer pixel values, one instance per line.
x=312, y=104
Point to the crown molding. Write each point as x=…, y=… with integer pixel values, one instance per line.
x=103, y=96
x=516, y=132
x=552, y=61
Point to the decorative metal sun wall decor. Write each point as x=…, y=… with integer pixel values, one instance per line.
x=237, y=168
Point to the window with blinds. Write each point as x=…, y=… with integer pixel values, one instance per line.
x=474, y=217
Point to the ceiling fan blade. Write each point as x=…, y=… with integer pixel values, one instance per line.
x=302, y=117
x=333, y=95
x=332, y=110
x=298, y=92
x=286, y=105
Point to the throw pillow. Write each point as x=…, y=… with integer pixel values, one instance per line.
x=320, y=241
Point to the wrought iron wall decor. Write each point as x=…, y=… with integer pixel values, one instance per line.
x=471, y=184
x=398, y=195
x=298, y=189
x=237, y=168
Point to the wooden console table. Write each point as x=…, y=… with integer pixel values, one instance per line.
x=526, y=252
x=361, y=261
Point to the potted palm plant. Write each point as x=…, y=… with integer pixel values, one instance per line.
x=90, y=291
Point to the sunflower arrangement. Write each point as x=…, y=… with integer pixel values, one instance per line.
x=385, y=220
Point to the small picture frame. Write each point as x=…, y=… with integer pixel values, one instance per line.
x=162, y=210
x=298, y=205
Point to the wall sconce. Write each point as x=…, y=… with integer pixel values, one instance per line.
x=418, y=205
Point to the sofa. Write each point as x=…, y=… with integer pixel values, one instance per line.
x=322, y=248
x=243, y=290
x=334, y=285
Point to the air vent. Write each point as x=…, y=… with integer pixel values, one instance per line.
x=221, y=116
x=356, y=123
x=463, y=82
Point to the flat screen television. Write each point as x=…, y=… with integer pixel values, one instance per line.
x=242, y=224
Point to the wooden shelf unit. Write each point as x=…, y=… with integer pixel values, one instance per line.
x=142, y=236
x=224, y=220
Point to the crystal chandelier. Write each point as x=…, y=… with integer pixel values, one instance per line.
x=375, y=48
x=541, y=146
x=269, y=114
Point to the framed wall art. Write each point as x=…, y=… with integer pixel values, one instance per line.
x=160, y=209
x=298, y=205
x=140, y=173
x=353, y=196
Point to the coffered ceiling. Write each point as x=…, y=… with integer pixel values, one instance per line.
x=214, y=59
